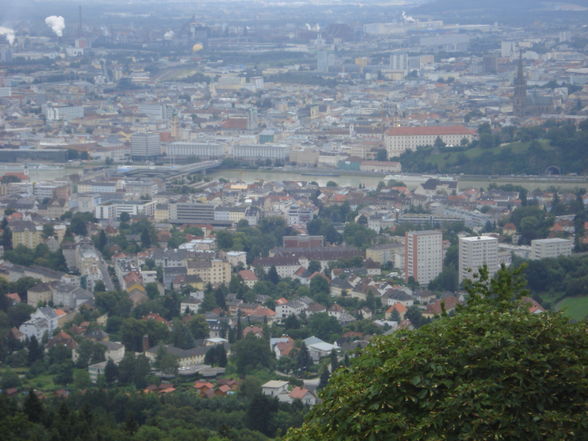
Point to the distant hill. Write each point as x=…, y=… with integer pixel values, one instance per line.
x=504, y=11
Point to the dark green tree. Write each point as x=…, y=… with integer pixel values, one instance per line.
x=303, y=360
x=272, y=275
x=314, y=266
x=35, y=350
x=259, y=414
x=110, y=372
x=33, y=408
x=324, y=326
x=181, y=336
x=492, y=371
x=166, y=362
x=198, y=327
x=7, y=238
x=324, y=379
x=252, y=353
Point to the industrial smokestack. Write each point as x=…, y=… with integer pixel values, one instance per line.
x=8, y=33
x=56, y=23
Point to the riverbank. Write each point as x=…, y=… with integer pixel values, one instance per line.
x=368, y=179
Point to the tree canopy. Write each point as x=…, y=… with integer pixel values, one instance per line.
x=492, y=371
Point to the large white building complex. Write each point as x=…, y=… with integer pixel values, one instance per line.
x=145, y=146
x=400, y=139
x=554, y=247
x=423, y=255
x=260, y=151
x=201, y=150
x=475, y=252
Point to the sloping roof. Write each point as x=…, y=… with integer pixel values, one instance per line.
x=298, y=393
x=248, y=275
x=431, y=131
x=274, y=384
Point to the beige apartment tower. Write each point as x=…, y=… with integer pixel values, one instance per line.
x=423, y=255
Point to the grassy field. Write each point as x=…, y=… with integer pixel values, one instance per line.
x=574, y=307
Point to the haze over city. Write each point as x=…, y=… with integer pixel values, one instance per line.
x=293, y=220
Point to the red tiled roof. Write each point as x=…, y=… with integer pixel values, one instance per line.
x=285, y=347
x=448, y=302
x=298, y=393
x=14, y=297
x=255, y=330
x=235, y=123
x=203, y=384
x=248, y=275
x=398, y=307
x=431, y=130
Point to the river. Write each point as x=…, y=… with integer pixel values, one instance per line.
x=412, y=180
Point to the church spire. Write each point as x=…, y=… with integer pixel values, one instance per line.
x=520, y=89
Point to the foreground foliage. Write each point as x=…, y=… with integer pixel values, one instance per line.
x=492, y=371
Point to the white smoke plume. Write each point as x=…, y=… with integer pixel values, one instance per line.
x=56, y=23
x=8, y=33
x=408, y=18
x=169, y=35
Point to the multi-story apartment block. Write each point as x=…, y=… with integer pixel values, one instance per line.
x=26, y=233
x=215, y=271
x=64, y=113
x=145, y=146
x=475, y=252
x=423, y=255
x=191, y=213
x=554, y=247
x=113, y=209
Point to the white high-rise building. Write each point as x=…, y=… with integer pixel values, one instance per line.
x=547, y=248
x=399, y=62
x=145, y=146
x=423, y=255
x=475, y=252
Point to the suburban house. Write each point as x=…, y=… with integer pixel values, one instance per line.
x=187, y=358
x=318, y=348
x=273, y=388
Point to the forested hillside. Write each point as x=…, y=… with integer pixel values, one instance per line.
x=508, y=151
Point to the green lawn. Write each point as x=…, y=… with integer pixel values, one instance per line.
x=574, y=307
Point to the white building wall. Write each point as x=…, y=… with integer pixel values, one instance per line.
x=474, y=252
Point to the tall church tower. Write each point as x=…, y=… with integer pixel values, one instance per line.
x=519, y=103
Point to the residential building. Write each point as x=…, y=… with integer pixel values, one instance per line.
x=26, y=233
x=113, y=209
x=548, y=248
x=475, y=252
x=423, y=255
x=64, y=113
x=213, y=271
x=192, y=213
x=273, y=388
